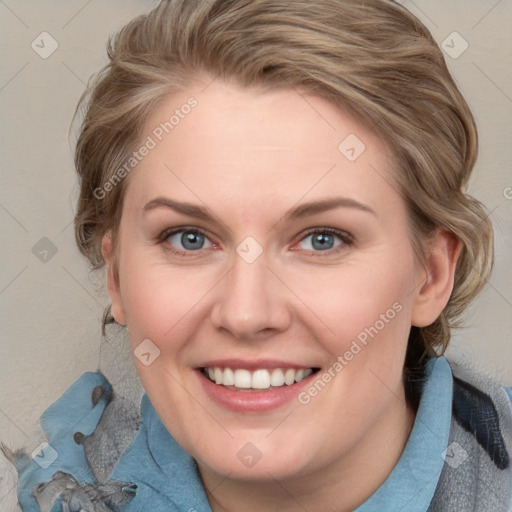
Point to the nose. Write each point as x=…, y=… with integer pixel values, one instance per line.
x=252, y=302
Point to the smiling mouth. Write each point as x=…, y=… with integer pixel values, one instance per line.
x=256, y=380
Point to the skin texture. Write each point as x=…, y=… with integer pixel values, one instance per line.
x=248, y=157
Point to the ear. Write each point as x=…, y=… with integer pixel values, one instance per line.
x=437, y=279
x=107, y=250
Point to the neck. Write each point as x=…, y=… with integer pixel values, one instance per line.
x=340, y=487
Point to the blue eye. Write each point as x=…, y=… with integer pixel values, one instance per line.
x=188, y=240
x=324, y=240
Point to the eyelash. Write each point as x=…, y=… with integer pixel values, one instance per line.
x=346, y=239
x=162, y=239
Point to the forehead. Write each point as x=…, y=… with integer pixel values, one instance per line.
x=251, y=147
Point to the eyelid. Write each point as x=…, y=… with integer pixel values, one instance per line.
x=162, y=238
x=166, y=233
x=346, y=238
x=344, y=235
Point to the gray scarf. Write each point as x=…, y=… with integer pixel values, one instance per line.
x=477, y=474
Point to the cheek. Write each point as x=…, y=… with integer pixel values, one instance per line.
x=365, y=300
x=160, y=300
x=368, y=306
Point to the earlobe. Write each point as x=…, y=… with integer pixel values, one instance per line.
x=107, y=250
x=437, y=278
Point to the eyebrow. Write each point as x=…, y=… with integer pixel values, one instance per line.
x=300, y=211
x=315, y=207
x=189, y=209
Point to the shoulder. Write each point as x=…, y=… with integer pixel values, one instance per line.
x=477, y=473
x=482, y=407
x=104, y=453
x=82, y=446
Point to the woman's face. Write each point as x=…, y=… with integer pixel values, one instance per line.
x=262, y=237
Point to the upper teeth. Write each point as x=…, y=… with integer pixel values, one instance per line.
x=257, y=379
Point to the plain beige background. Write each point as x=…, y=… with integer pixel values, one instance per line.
x=51, y=309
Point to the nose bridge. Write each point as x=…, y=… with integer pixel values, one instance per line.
x=251, y=300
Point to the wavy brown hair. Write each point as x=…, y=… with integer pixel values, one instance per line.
x=372, y=58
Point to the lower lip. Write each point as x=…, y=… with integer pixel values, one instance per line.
x=252, y=401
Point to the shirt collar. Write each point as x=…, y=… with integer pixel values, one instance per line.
x=411, y=485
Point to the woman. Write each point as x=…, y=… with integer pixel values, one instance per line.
x=276, y=190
